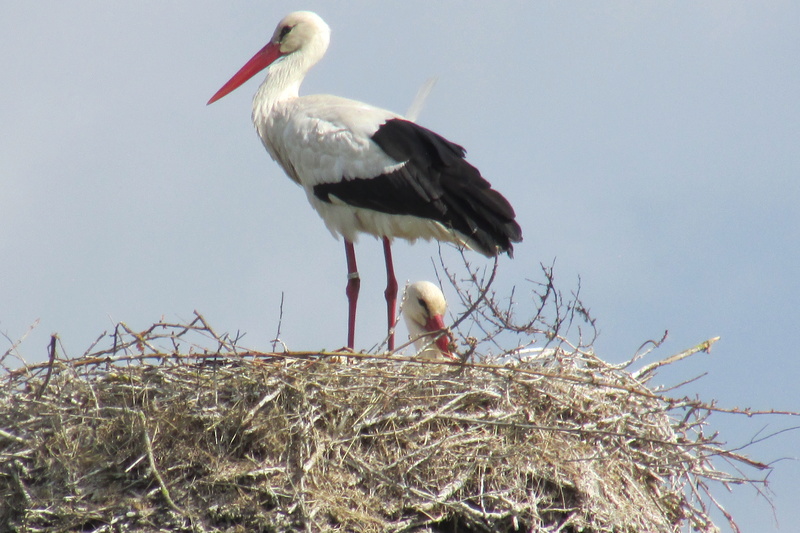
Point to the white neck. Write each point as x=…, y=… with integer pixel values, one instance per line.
x=286, y=74
x=282, y=83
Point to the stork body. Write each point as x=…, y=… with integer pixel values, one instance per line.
x=365, y=169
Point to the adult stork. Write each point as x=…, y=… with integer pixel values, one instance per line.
x=423, y=309
x=365, y=169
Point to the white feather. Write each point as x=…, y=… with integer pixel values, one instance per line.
x=419, y=100
x=421, y=301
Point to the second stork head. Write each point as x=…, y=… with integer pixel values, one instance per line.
x=423, y=308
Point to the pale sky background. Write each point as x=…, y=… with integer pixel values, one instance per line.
x=651, y=148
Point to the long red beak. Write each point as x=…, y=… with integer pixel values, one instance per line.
x=263, y=58
x=436, y=323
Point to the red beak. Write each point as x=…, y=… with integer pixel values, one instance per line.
x=436, y=323
x=263, y=58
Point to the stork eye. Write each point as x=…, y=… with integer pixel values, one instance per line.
x=284, y=31
x=424, y=304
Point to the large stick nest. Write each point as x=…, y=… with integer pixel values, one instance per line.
x=149, y=432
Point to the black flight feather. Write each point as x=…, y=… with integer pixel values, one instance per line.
x=436, y=183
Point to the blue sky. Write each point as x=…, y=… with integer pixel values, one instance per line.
x=649, y=148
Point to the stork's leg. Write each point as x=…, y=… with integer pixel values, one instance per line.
x=353, y=285
x=391, y=290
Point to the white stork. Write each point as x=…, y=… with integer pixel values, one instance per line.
x=423, y=309
x=365, y=169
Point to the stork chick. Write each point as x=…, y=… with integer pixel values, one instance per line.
x=423, y=308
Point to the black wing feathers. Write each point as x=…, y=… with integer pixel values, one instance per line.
x=435, y=183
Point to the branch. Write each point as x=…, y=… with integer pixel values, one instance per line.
x=152, y=460
x=642, y=373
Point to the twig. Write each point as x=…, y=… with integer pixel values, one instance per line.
x=222, y=342
x=264, y=401
x=481, y=295
x=10, y=436
x=652, y=345
x=51, y=360
x=722, y=509
x=704, y=346
x=15, y=344
x=277, y=338
x=152, y=460
x=18, y=467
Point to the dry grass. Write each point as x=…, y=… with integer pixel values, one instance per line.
x=177, y=429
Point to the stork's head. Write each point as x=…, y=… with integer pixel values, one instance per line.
x=302, y=36
x=301, y=30
x=424, y=307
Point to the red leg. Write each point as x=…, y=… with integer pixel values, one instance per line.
x=391, y=290
x=353, y=285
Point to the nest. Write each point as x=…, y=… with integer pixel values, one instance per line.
x=150, y=431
